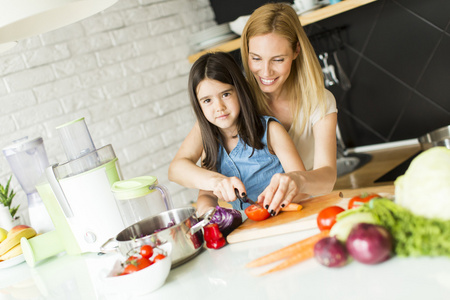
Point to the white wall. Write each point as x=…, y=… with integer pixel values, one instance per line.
x=125, y=70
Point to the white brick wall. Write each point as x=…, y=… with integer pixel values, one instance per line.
x=125, y=70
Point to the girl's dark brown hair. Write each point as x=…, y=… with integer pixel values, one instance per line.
x=222, y=67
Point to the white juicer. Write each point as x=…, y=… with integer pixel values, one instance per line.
x=78, y=197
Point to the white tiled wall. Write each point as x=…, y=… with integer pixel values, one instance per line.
x=125, y=70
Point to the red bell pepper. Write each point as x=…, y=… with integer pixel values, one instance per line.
x=217, y=244
x=213, y=237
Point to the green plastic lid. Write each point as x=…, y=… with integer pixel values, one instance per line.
x=133, y=188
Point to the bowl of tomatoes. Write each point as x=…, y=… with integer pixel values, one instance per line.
x=144, y=270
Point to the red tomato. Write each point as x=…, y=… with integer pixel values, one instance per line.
x=363, y=198
x=143, y=263
x=256, y=212
x=131, y=259
x=159, y=257
x=146, y=251
x=130, y=268
x=327, y=217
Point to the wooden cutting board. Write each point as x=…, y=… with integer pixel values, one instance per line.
x=286, y=222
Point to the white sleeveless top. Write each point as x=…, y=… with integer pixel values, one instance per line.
x=305, y=142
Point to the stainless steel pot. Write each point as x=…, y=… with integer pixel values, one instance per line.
x=438, y=137
x=180, y=227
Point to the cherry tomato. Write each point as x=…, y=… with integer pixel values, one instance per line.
x=363, y=198
x=143, y=263
x=327, y=217
x=256, y=212
x=146, y=251
x=159, y=257
x=130, y=268
x=131, y=259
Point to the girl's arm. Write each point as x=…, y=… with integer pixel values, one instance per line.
x=205, y=201
x=184, y=171
x=296, y=182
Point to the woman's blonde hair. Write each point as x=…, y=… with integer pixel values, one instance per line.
x=305, y=85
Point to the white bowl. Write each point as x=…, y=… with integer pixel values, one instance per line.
x=141, y=282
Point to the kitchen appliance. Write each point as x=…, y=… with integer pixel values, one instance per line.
x=136, y=198
x=78, y=197
x=435, y=138
x=28, y=160
x=178, y=228
x=438, y=137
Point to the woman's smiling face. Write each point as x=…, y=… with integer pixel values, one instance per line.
x=270, y=60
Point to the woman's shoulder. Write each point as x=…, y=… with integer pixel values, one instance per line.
x=330, y=102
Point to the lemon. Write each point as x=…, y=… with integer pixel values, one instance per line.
x=3, y=234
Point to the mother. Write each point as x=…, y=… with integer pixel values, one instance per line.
x=286, y=77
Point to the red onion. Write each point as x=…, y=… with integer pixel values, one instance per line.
x=330, y=252
x=369, y=243
x=227, y=219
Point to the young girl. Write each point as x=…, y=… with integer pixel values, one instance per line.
x=237, y=142
x=286, y=78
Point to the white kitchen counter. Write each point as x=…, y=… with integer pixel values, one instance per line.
x=220, y=274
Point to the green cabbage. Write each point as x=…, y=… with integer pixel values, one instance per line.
x=424, y=189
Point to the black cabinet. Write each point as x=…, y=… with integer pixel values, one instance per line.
x=229, y=10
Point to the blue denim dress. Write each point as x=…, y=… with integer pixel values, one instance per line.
x=255, y=171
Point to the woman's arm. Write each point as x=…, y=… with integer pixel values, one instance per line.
x=184, y=171
x=322, y=178
x=318, y=181
x=281, y=144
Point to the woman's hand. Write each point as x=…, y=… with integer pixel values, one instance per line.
x=283, y=188
x=224, y=189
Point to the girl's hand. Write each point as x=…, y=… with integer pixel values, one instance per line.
x=225, y=188
x=279, y=193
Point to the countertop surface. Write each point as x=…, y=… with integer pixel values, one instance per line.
x=221, y=274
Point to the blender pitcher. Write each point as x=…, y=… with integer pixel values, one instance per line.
x=28, y=160
x=136, y=198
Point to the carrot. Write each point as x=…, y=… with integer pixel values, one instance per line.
x=291, y=250
x=292, y=207
x=305, y=254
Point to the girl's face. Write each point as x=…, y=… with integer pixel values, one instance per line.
x=219, y=103
x=270, y=60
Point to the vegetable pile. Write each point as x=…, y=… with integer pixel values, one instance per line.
x=355, y=237
x=413, y=235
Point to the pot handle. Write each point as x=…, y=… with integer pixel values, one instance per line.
x=205, y=219
x=106, y=249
